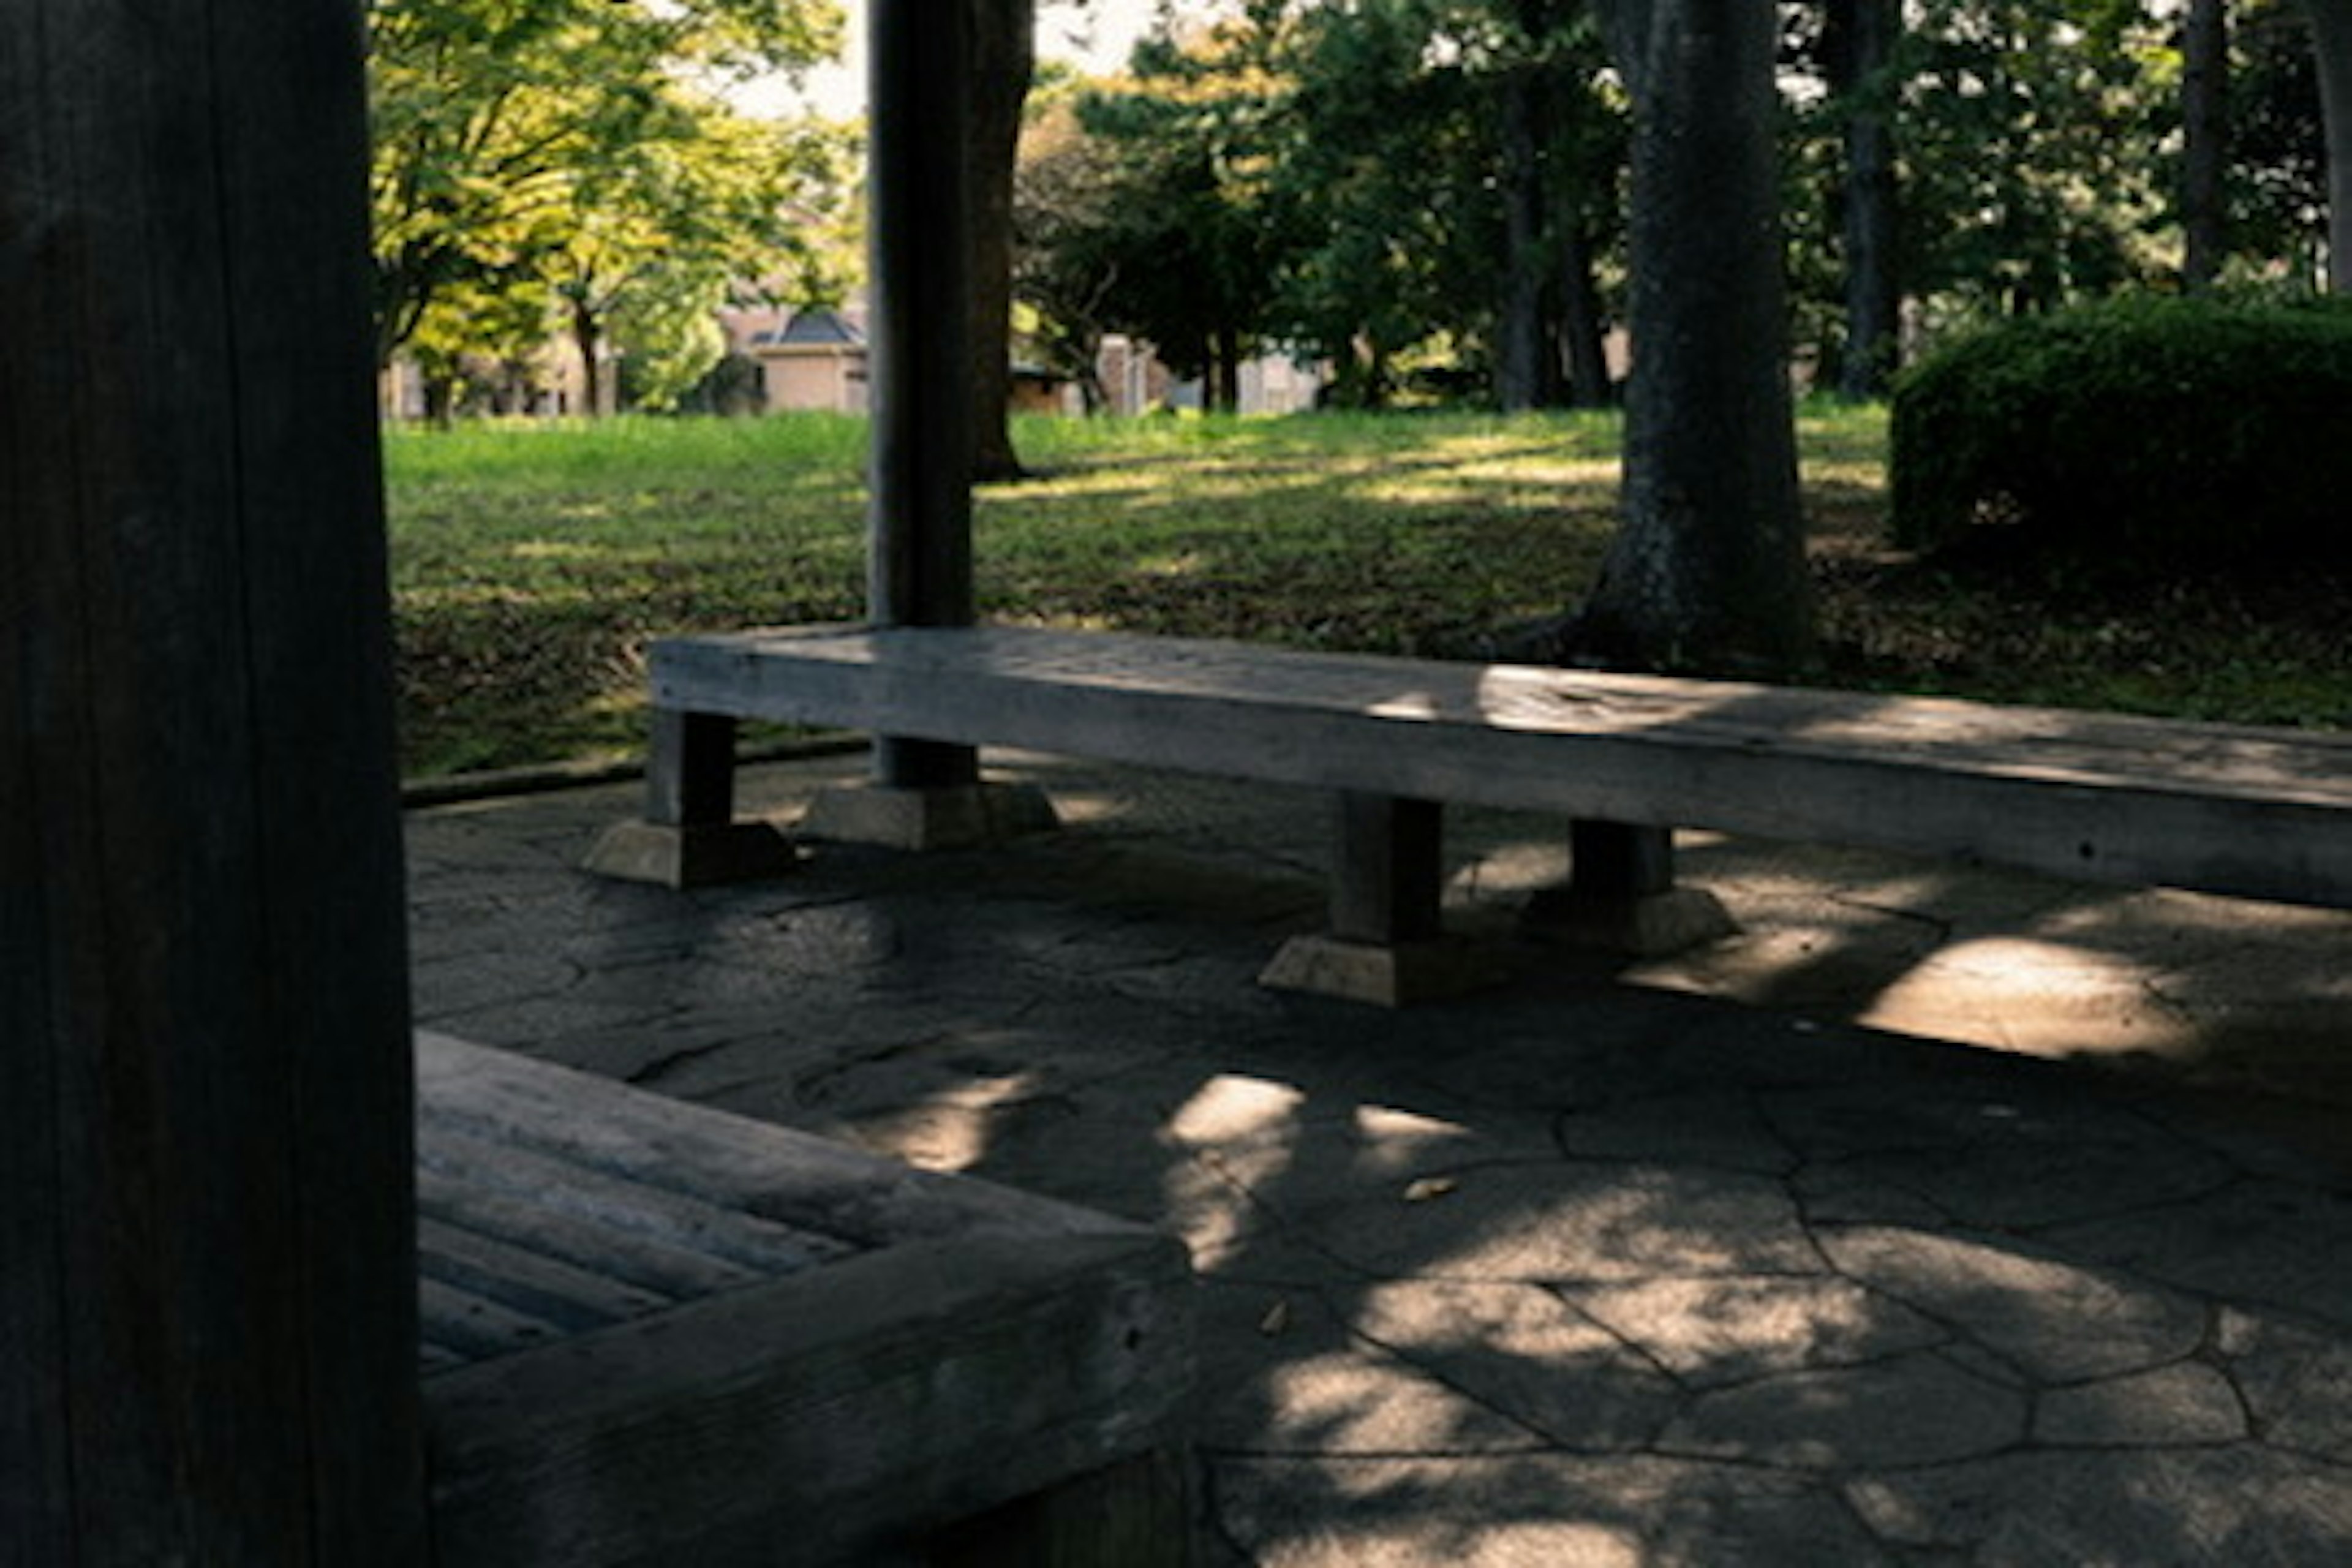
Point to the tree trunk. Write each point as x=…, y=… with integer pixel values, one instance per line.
x=586, y=338
x=1862, y=37
x=1225, y=383
x=1707, y=569
x=2204, y=118
x=1582, y=328
x=1003, y=60
x=1519, y=346
x=2331, y=37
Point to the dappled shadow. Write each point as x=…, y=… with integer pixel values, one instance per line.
x=1582, y=1270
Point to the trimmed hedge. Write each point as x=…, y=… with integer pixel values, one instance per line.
x=2139, y=435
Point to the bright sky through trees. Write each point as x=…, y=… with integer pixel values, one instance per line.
x=1095, y=35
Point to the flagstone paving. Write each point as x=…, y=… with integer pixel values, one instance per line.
x=1938, y=1218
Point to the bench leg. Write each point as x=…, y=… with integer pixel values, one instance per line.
x=927, y=795
x=690, y=838
x=1137, y=1514
x=1620, y=896
x=1387, y=942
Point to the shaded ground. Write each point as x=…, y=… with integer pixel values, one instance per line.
x=1737, y=1258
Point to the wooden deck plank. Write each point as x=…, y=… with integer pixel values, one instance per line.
x=529, y=1280
x=457, y=1326
x=482, y=1168
x=807, y=1183
x=2229, y=809
x=973, y=1346
x=647, y=1259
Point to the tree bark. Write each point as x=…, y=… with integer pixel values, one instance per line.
x=1862, y=38
x=2331, y=36
x=2204, y=118
x=587, y=337
x=1581, y=328
x=1519, y=346
x=1003, y=61
x=1707, y=569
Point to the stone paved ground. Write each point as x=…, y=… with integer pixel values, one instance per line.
x=1758, y=1256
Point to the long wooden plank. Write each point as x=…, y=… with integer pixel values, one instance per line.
x=2231, y=809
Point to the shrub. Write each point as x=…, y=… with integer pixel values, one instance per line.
x=2138, y=436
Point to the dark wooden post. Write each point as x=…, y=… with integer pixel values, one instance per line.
x=925, y=795
x=1388, y=874
x=207, y=1286
x=1386, y=942
x=1621, y=897
x=919, y=516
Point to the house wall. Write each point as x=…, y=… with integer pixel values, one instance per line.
x=828, y=380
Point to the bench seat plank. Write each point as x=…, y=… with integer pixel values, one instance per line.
x=2256, y=812
x=929, y=1347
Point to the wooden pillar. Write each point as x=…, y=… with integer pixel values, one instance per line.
x=924, y=794
x=1386, y=944
x=207, y=1286
x=1387, y=875
x=920, y=569
x=689, y=836
x=1622, y=896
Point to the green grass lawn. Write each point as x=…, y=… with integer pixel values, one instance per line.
x=530, y=562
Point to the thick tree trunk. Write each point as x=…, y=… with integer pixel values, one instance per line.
x=1863, y=35
x=1707, y=569
x=1003, y=60
x=2331, y=36
x=2204, y=117
x=1519, y=346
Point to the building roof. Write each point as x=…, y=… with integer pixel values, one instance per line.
x=816, y=328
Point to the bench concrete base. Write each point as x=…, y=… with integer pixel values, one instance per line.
x=697, y=854
x=1397, y=974
x=1651, y=925
x=961, y=817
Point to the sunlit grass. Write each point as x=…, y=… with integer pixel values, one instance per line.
x=532, y=560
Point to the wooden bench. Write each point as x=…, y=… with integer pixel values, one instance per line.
x=657, y=1334
x=2257, y=812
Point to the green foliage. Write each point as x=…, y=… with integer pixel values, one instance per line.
x=579, y=149
x=2138, y=435
x=1187, y=237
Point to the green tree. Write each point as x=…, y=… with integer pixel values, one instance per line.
x=2331, y=36
x=2278, y=174
x=1198, y=238
x=2031, y=131
x=492, y=116
x=1454, y=168
x=1066, y=263
x=656, y=232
